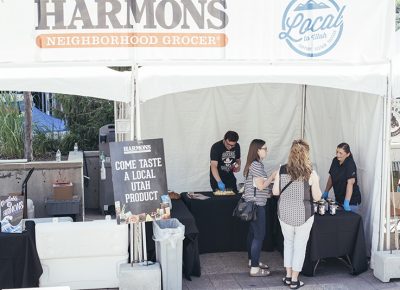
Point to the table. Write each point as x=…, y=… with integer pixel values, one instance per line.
x=341, y=235
x=190, y=257
x=221, y=232
x=19, y=260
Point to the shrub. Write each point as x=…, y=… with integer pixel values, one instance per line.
x=11, y=128
x=83, y=116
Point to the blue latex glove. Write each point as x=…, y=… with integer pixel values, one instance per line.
x=346, y=205
x=325, y=194
x=221, y=185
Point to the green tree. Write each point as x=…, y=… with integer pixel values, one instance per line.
x=83, y=116
x=11, y=127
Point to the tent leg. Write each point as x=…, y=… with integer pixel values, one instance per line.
x=137, y=107
x=303, y=110
x=132, y=103
x=385, y=185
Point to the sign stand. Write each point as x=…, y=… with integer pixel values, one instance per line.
x=139, y=179
x=138, y=246
x=144, y=242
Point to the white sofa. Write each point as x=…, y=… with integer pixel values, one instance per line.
x=82, y=255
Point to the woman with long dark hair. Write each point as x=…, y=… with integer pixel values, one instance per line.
x=255, y=187
x=343, y=178
x=297, y=184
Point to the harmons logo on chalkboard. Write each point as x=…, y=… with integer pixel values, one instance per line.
x=139, y=179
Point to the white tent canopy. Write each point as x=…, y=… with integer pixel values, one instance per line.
x=328, y=103
x=91, y=81
x=336, y=103
x=155, y=80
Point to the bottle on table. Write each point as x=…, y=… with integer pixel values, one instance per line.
x=103, y=171
x=102, y=158
x=58, y=155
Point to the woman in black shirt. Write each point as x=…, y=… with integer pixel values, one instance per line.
x=343, y=178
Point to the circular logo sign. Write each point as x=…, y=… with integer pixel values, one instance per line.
x=312, y=28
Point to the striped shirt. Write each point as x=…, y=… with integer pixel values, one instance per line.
x=256, y=169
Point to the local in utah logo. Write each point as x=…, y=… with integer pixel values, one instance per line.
x=312, y=28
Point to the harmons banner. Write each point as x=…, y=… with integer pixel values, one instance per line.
x=122, y=31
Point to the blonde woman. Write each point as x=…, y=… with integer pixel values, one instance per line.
x=297, y=184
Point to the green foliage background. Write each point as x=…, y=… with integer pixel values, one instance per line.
x=11, y=128
x=83, y=116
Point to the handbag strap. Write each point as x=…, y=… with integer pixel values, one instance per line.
x=286, y=186
x=255, y=188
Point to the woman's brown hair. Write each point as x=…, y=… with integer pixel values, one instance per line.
x=255, y=145
x=299, y=165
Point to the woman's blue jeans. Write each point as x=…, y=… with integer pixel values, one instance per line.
x=255, y=236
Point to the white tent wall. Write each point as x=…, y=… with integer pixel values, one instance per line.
x=190, y=122
x=334, y=116
x=396, y=75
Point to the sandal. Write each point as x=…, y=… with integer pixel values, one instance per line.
x=260, y=273
x=296, y=284
x=261, y=265
x=287, y=280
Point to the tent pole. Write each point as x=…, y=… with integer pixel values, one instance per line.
x=386, y=164
x=385, y=188
x=382, y=189
x=116, y=116
x=303, y=109
x=135, y=236
x=388, y=160
x=132, y=103
x=137, y=106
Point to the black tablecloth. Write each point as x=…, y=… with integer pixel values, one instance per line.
x=221, y=232
x=19, y=261
x=337, y=236
x=191, y=259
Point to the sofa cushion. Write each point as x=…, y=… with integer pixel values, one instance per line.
x=81, y=239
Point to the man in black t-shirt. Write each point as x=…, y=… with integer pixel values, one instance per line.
x=225, y=160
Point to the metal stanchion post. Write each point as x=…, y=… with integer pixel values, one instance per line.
x=131, y=227
x=138, y=242
x=143, y=224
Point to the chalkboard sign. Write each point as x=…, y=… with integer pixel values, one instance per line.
x=139, y=179
x=12, y=210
